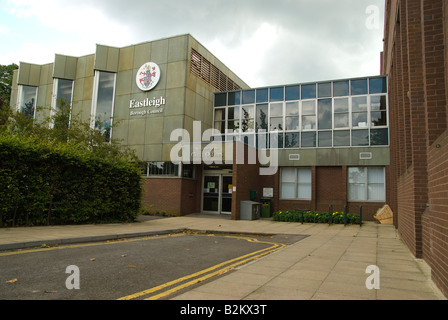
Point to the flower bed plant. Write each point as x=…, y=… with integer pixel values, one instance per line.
x=308, y=216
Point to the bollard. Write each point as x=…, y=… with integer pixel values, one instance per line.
x=360, y=216
x=345, y=215
x=330, y=212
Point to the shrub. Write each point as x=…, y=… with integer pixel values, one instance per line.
x=315, y=217
x=64, y=176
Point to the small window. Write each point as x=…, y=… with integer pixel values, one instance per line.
x=359, y=87
x=296, y=183
x=162, y=169
x=325, y=90
x=341, y=88
x=277, y=94
x=292, y=93
x=378, y=85
x=366, y=184
x=262, y=95
x=234, y=98
x=220, y=99
x=248, y=97
x=308, y=91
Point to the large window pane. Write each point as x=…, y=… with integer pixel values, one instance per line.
x=325, y=114
x=304, y=183
x=247, y=118
x=28, y=101
x=288, y=183
x=104, y=103
x=262, y=117
x=292, y=109
x=220, y=120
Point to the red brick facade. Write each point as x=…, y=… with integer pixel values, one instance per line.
x=415, y=59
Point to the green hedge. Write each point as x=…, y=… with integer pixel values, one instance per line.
x=315, y=217
x=43, y=182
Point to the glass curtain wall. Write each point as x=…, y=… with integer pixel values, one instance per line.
x=341, y=113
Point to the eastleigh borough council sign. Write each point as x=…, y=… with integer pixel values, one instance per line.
x=147, y=78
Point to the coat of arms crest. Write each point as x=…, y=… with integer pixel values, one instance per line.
x=148, y=76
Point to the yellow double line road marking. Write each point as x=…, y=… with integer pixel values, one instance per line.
x=207, y=273
x=93, y=244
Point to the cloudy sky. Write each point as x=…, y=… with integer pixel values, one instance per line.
x=265, y=42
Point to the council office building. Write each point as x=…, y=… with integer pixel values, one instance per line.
x=330, y=139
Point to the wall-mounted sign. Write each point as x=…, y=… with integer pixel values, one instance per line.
x=147, y=106
x=148, y=76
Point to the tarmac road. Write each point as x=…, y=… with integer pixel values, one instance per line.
x=128, y=268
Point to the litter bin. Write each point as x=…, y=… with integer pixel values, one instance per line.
x=266, y=208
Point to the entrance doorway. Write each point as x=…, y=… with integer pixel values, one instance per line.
x=217, y=194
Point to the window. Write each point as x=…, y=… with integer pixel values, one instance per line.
x=63, y=92
x=292, y=116
x=324, y=90
x=308, y=91
x=292, y=93
x=359, y=112
x=162, y=169
x=359, y=87
x=262, y=95
x=276, y=119
x=220, y=99
x=277, y=94
x=262, y=117
x=341, y=88
x=341, y=113
x=296, y=183
x=220, y=120
x=103, y=103
x=366, y=184
x=234, y=98
x=309, y=115
x=247, y=118
x=233, y=124
x=27, y=100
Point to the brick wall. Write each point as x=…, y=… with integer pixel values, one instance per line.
x=415, y=58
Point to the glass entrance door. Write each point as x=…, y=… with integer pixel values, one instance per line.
x=217, y=194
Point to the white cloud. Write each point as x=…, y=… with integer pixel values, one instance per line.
x=265, y=42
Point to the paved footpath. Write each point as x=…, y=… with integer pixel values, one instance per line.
x=330, y=263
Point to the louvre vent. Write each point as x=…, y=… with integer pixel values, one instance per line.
x=206, y=71
x=294, y=157
x=365, y=156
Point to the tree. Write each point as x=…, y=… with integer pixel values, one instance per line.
x=6, y=75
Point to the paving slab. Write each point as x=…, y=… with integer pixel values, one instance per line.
x=328, y=264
